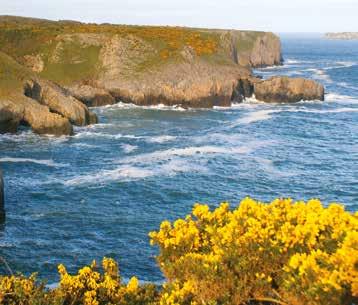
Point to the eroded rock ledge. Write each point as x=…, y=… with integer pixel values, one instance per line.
x=288, y=90
x=206, y=92
x=45, y=107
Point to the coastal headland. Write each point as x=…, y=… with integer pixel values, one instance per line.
x=52, y=71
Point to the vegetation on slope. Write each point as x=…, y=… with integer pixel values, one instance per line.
x=283, y=253
x=70, y=51
x=12, y=75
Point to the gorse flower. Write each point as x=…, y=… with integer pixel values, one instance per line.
x=293, y=252
x=283, y=252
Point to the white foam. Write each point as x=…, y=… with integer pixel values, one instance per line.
x=161, y=139
x=49, y=163
x=90, y=134
x=320, y=111
x=268, y=166
x=256, y=116
x=165, y=155
x=215, y=137
x=163, y=163
x=347, y=86
x=122, y=173
x=126, y=172
x=84, y=145
x=338, y=110
x=320, y=74
x=122, y=105
x=292, y=61
x=127, y=148
x=346, y=64
x=335, y=97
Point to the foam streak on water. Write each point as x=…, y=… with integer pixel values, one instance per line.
x=73, y=199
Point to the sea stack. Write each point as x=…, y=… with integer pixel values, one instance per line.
x=283, y=89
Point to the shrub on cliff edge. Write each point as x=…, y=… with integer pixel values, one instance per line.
x=284, y=252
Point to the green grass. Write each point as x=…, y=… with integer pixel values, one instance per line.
x=77, y=61
x=12, y=75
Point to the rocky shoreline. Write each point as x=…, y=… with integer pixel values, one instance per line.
x=46, y=89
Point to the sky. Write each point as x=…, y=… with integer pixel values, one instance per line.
x=270, y=15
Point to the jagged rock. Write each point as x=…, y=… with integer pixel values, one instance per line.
x=288, y=90
x=59, y=101
x=9, y=121
x=192, y=84
x=21, y=109
x=28, y=100
x=92, y=96
x=35, y=63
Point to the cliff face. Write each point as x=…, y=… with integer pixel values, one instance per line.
x=57, y=68
x=102, y=64
x=25, y=98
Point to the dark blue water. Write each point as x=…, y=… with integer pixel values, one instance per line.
x=73, y=199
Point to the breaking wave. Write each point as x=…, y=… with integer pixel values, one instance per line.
x=49, y=163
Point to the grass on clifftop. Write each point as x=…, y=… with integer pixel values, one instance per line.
x=68, y=59
x=12, y=75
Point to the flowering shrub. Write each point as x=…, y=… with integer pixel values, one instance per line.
x=21, y=290
x=88, y=287
x=284, y=252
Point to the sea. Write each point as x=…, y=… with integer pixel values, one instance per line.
x=100, y=192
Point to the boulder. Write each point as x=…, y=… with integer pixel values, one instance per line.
x=91, y=95
x=10, y=117
x=60, y=101
x=282, y=89
x=18, y=109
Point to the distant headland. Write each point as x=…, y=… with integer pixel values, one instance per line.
x=342, y=36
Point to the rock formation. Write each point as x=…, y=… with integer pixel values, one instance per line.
x=59, y=100
x=53, y=75
x=27, y=99
x=19, y=109
x=288, y=90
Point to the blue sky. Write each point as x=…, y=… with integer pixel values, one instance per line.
x=272, y=15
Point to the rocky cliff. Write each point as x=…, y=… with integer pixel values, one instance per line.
x=62, y=66
x=25, y=98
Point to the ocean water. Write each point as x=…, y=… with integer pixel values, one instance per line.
x=73, y=199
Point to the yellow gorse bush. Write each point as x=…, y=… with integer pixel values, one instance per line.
x=286, y=252
x=88, y=287
x=283, y=252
